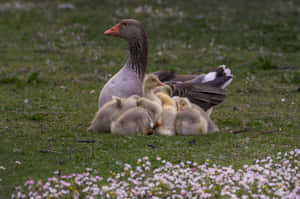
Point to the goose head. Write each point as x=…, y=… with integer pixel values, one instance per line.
x=133, y=31
x=128, y=29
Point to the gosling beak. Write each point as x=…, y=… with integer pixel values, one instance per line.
x=113, y=31
x=159, y=83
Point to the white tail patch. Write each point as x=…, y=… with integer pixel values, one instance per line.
x=151, y=124
x=227, y=71
x=209, y=77
x=226, y=83
x=222, y=66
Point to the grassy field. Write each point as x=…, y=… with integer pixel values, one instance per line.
x=54, y=62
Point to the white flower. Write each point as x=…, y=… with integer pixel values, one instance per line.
x=56, y=172
x=146, y=158
x=264, y=179
x=88, y=169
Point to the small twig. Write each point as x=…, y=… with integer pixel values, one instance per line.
x=6, y=128
x=266, y=132
x=48, y=151
x=239, y=131
x=86, y=141
x=41, y=112
x=270, y=131
x=152, y=146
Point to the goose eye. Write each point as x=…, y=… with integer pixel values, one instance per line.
x=125, y=24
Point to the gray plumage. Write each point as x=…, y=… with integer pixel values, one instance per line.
x=128, y=80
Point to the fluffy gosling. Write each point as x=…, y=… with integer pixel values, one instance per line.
x=110, y=111
x=188, y=120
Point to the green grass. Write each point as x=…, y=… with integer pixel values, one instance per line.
x=43, y=61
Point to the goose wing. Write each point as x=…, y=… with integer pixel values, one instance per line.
x=203, y=95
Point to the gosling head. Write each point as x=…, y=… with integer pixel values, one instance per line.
x=183, y=103
x=164, y=89
x=151, y=81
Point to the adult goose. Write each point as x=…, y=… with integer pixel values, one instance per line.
x=203, y=90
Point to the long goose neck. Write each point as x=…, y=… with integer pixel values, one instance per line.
x=137, y=60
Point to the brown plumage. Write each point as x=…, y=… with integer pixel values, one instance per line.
x=203, y=95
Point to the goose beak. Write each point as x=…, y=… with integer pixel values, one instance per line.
x=113, y=31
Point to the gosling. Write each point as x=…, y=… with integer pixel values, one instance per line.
x=188, y=120
x=167, y=118
x=110, y=112
x=144, y=117
x=135, y=120
x=212, y=127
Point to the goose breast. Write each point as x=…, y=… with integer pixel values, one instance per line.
x=123, y=84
